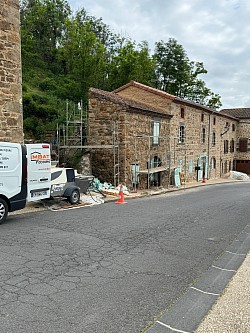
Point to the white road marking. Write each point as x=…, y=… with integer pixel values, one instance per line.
x=238, y=254
x=205, y=292
x=171, y=328
x=224, y=269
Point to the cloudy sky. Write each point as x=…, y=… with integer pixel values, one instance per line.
x=215, y=32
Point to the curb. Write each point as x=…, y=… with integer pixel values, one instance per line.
x=166, y=191
x=189, y=310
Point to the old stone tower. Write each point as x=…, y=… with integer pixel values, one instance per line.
x=11, y=118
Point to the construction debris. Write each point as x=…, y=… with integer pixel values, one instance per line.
x=238, y=175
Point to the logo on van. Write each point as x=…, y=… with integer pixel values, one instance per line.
x=39, y=158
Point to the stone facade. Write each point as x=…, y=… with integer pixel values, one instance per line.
x=242, y=152
x=11, y=120
x=125, y=132
x=193, y=141
x=206, y=133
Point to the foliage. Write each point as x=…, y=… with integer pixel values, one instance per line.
x=177, y=75
x=64, y=54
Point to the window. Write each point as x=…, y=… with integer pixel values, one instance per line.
x=227, y=125
x=213, y=138
x=181, y=134
x=135, y=173
x=182, y=112
x=156, y=132
x=233, y=127
x=203, y=135
x=232, y=146
x=202, y=117
x=243, y=145
x=213, y=163
x=225, y=146
x=214, y=120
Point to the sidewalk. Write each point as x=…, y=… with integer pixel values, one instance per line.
x=231, y=312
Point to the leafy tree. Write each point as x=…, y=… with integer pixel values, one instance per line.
x=64, y=54
x=177, y=75
x=131, y=64
x=42, y=26
x=84, y=57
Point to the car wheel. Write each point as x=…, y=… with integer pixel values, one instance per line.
x=3, y=210
x=74, y=196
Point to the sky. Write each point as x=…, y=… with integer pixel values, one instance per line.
x=214, y=32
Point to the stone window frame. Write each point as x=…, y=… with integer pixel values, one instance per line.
x=225, y=146
x=243, y=145
x=181, y=134
x=156, y=125
x=213, y=138
x=182, y=113
x=203, y=134
x=232, y=146
x=213, y=163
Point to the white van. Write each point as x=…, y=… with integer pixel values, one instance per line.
x=25, y=172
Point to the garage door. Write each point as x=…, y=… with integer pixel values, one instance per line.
x=243, y=166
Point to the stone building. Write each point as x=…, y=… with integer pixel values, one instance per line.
x=125, y=138
x=11, y=120
x=242, y=153
x=161, y=137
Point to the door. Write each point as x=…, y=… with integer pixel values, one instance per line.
x=13, y=174
x=39, y=171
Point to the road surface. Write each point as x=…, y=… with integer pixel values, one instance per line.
x=113, y=268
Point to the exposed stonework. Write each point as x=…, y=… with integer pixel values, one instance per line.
x=193, y=151
x=11, y=119
x=242, y=156
x=112, y=121
x=194, y=141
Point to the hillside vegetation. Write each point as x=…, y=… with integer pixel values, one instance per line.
x=65, y=53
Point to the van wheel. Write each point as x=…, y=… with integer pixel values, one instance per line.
x=3, y=210
x=74, y=197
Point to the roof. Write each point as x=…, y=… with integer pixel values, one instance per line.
x=241, y=113
x=111, y=96
x=147, y=88
x=165, y=95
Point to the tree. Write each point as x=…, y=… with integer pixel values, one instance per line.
x=177, y=75
x=84, y=57
x=42, y=27
x=131, y=63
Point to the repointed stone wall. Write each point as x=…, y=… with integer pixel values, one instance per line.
x=11, y=118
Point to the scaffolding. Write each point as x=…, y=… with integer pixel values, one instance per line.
x=155, y=164
x=74, y=133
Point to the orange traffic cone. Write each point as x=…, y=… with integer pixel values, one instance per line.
x=121, y=196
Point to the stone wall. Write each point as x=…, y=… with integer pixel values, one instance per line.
x=11, y=120
x=132, y=131
x=243, y=131
x=193, y=152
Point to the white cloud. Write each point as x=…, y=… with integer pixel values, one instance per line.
x=214, y=32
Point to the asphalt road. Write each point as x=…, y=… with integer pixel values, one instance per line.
x=113, y=268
